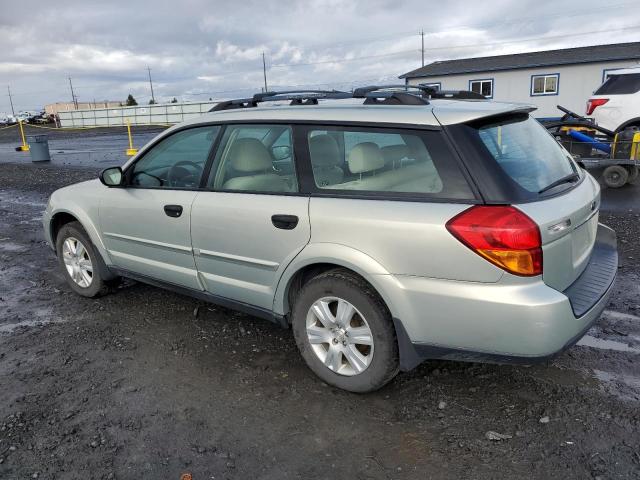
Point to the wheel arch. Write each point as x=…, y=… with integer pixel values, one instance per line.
x=629, y=123
x=318, y=258
x=63, y=216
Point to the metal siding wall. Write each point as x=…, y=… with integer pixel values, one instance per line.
x=576, y=84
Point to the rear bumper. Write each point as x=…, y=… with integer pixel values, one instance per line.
x=523, y=322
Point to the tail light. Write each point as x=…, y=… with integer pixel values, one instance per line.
x=593, y=103
x=503, y=235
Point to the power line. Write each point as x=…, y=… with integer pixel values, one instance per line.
x=153, y=98
x=451, y=47
x=264, y=72
x=73, y=97
x=11, y=101
x=569, y=15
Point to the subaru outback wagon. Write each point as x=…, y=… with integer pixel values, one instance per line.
x=385, y=228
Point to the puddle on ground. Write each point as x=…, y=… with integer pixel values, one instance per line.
x=41, y=316
x=6, y=246
x=589, y=341
x=612, y=315
x=622, y=385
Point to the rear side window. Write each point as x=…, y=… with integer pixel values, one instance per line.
x=620, y=85
x=524, y=150
x=385, y=161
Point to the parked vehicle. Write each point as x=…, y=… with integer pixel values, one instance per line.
x=414, y=226
x=617, y=154
x=615, y=105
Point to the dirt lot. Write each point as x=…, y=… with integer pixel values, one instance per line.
x=148, y=384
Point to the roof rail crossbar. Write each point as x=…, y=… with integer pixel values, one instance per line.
x=393, y=98
x=297, y=97
x=361, y=92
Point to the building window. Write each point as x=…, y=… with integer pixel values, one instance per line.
x=483, y=87
x=436, y=86
x=545, y=84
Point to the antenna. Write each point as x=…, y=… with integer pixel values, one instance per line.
x=422, y=50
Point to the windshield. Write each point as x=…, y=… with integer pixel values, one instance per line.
x=620, y=85
x=526, y=152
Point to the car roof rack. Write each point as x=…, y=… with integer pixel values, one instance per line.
x=297, y=97
x=373, y=94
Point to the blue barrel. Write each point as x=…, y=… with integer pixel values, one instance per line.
x=581, y=137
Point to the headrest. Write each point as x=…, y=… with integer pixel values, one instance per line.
x=324, y=151
x=250, y=155
x=365, y=157
x=393, y=153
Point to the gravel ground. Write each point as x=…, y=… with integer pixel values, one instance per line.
x=145, y=383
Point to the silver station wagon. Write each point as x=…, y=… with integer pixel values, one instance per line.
x=385, y=226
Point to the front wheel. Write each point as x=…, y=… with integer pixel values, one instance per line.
x=345, y=333
x=82, y=266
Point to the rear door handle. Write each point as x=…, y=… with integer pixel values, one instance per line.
x=285, y=222
x=173, y=210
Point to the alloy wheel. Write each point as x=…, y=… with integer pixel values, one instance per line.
x=340, y=336
x=77, y=261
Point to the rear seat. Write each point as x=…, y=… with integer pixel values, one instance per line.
x=366, y=159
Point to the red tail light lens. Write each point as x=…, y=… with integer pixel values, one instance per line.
x=592, y=103
x=503, y=235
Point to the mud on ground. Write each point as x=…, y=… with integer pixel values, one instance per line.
x=149, y=384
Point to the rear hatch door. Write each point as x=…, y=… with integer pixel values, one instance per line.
x=515, y=161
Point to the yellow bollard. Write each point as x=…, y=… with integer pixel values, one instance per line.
x=130, y=151
x=24, y=147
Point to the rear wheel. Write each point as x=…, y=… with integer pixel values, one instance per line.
x=615, y=176
x=82, y=266
x=345, y=333
x=633, y=173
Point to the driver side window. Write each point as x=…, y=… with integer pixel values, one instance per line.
x=177, y=161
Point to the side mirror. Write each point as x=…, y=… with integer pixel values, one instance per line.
x=111, y=177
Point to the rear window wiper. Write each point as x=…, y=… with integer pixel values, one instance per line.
x=572, y=177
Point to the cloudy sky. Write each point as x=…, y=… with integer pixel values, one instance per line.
x=199, y=49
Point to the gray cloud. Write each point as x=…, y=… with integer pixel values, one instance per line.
x=199, y=49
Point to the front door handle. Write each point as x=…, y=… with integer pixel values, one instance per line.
x=285, y=222
x=173, y=210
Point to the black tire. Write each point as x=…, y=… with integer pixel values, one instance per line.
x=633, y=173
x=102, y=282
x=615, y=176
x=352, y=288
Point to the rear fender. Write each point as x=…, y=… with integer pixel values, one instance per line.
x=340, y=255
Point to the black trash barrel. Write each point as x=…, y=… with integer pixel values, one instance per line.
x=39, y=148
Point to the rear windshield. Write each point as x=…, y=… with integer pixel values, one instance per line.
x=523, y=154
x=620, y=85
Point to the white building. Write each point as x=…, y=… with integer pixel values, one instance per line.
x=564, y=77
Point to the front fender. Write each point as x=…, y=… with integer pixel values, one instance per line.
x=341, y=255
x=82, y=201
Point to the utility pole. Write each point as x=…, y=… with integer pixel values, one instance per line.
x=153, y=99
x=264, y=72
x=422, y=35
x=73, y=96
x=11, y=101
